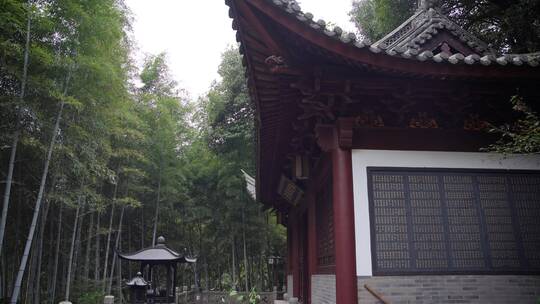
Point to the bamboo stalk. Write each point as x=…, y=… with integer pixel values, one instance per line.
x=37, y=208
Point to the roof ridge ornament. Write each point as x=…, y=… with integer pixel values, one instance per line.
x=423, y=26
x=425, y=4
x=161, y=240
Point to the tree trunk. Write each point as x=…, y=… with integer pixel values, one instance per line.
x=18, y=238
x=206, y=286
x=30, y=277
x=56, y=255
x=72, y=249
x=119, y=274
x=108, y=245
x=17, y=133
x=98, y=232
x=233, y=263
x=118, y=235
x=246, y=269
x=142, y=227
x=86, y=268
x=130, y=274
x=24, y=260
x=63, y=276
x=154, y=232
x=3, y=277
x=76, y=254
x=43, y=224
x=50, y=252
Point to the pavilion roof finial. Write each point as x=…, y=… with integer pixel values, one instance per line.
x=161, y=240
x=425, y=4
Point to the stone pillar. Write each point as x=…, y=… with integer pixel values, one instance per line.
x=108, y=300
x=185, y=289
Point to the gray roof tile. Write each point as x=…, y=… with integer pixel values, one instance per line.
x=408, y=38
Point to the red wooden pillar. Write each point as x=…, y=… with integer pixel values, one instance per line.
x=312, y=235
x=311, y=244
x=346, y=289
x=338, y=141
x=295, y=253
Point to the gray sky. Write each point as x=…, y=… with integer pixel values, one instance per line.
x=195, y=33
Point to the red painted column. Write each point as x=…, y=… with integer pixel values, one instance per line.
x=312, y=243
x=312, y=235
x=290, y=258
x=344, y=242
x=295, y=254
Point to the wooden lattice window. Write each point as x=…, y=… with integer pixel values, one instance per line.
x=454, y=221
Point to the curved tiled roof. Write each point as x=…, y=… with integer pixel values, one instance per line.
x=394, y=45
x=159, y=253
x=284, y=49
x=423, y=26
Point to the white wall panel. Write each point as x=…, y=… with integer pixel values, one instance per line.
x=362, y=159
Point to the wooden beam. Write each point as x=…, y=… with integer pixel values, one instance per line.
x=456, y=140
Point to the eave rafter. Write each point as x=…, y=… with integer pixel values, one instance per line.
x=254, y=22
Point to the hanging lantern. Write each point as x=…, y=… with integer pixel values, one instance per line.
x=301, y=166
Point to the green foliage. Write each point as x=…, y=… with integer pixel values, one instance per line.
x=91, y=298
x=121, y=146
x=252, y=297
x=230, y=112
x=156, y=78
x=523, y=136
x=376, y=18
x=509, y=26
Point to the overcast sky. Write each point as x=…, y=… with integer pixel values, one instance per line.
x=195, y=33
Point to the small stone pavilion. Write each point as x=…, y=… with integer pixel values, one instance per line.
x=157, y=276
x=370, y=153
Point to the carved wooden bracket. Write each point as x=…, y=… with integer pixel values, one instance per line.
x=339, y=135
x=423, y=121
x=474, y=123
x=345, y=128
x=326, y=137
x=276, y=63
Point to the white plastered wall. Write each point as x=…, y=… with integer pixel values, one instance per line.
x=362, y=159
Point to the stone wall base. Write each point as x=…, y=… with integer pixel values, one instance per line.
x=467, y=289
x=323, y=289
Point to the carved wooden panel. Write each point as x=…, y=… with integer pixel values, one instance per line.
x=454, y=221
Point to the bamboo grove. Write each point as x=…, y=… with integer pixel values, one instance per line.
x=97, y=156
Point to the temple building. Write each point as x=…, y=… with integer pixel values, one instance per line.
x=372, y=155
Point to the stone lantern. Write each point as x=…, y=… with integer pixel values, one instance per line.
x=137, y=289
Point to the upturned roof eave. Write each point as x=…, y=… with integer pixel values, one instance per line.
x=167, y=255
x=349, y=47
x=281, y=15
